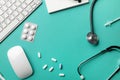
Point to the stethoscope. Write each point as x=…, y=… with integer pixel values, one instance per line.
x=92, y=36
x=109, y=49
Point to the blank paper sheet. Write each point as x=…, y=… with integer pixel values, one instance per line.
x=57, y=5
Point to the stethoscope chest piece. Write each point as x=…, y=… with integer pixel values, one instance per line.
x=92, y=38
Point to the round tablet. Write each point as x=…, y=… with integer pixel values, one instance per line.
x=27, y=25
x=25, y=31
x=33, y=27
x=24, y=36
x=31, y=32
x=30, y=38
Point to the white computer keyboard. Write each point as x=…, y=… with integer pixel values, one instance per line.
x=13, y=12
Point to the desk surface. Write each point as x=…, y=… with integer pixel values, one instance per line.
x=63, y=35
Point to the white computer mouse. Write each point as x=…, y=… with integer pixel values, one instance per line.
x=19, y=62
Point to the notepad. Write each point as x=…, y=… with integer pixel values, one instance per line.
x=57, y=5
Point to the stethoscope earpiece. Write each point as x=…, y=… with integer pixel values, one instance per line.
x=92, y=38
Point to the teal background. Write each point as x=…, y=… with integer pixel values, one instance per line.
x=62, y=35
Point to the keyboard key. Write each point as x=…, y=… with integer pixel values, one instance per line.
x=15, y=13
x=18, y=3
x=12, y=17
x=12, y=1
x=19, y=9
x=28, y=1
x=34, y=5
x=1, y=12
x=22, y=1
x=14, y=22
x=4, y=8
x=3, y=25
x=29, y=8
x=7, y=21
x=13, y=7
x=5, y=15
x=37, y=2
x=20, y=17
x=2, y=2
x=1, y=19
x=24, y=5
x=9, y=11
x=24, y=13
x=0, y=29
x=8, y=4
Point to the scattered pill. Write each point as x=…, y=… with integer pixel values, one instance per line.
x=45, y=66
x=60, y=66
x=1, y=77
x=53, y=59
x=61, y=74
x=39, y=55
x=51, y=69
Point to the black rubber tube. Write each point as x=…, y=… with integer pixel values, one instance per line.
x=91, y=16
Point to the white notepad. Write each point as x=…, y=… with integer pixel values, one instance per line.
x=57, y=5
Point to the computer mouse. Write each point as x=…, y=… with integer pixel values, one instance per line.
x=19, y=62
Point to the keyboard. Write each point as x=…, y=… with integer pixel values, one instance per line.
x=14, y=12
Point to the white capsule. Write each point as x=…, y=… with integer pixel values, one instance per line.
x=53, y=59
x=39, y=55
x=61, y=74
x=1, y=77
x=51, y=69
x=45, y=66
x=82, y=77
x=60, y=66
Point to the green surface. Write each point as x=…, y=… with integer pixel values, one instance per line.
x=63, y=35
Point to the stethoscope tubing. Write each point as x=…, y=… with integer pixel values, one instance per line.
x=109, y=49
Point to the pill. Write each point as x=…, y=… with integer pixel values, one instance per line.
x=1, y=77
x=31, y=32
x=51, y=69
x=24, y=36
x=53, y=59
x=81, y=77
x=61, y=74
x=45, y=66
x=27, y=25
x=25, y=31
x=33, y=27
x=60, y=66
x=39, y=55
x=30, y=38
